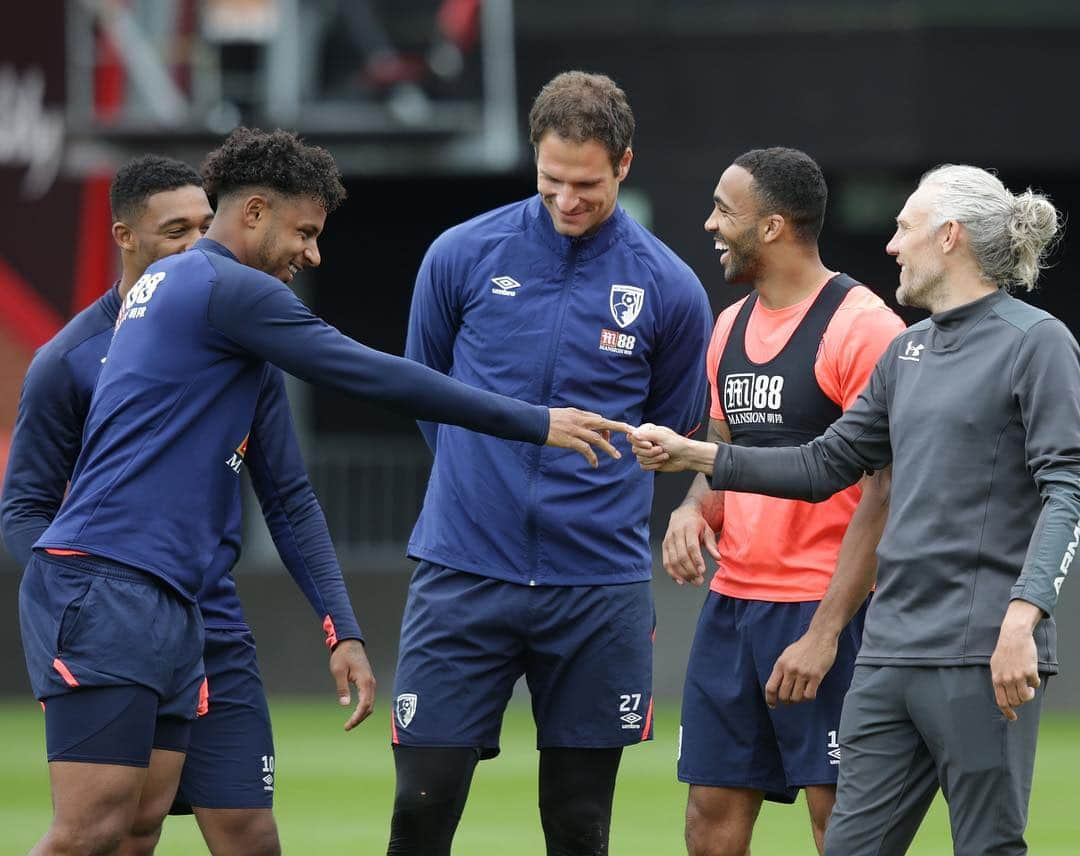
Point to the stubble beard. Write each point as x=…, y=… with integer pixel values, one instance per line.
x=924, y=291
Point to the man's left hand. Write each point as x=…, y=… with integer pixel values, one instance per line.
x=1014, y=665
x=349, y=665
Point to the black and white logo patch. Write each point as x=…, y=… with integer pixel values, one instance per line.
x=912, y=352
x=625, y=302
x=507, y=286
x=405, y=708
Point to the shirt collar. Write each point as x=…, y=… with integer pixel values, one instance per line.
x=211, y=246
x=588, y=247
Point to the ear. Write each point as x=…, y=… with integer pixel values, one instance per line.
x=773, y=227
x=624, y=164
x=951, y=232
x=255, y=209
x=124, y=236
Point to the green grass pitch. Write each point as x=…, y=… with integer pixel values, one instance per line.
x=335, y=791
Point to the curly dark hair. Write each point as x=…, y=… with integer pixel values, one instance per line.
x=788, y=182
x=274, y=160
x=579, y=107
x=142, y=177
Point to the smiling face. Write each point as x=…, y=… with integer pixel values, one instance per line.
x=287, y=232
x=169, y=222
x=577, y=183
x=733, y=224
x=917, y=250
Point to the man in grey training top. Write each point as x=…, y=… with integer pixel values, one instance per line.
x=978, y=407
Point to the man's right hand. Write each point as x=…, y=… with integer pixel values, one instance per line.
x=687, y=532
x=580, y=430
x=800, y=670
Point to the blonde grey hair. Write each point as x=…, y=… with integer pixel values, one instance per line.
x=1009, y=234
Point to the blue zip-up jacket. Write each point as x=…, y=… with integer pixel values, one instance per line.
x=168, y=427
x=48, y=435
x=614, y=322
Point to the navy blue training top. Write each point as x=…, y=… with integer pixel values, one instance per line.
x=48, y=435
x=168, y=427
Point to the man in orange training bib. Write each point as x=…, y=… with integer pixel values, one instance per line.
x=783, y=364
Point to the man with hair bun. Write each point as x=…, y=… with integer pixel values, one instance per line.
x=978, y=406
x=530, y=565
x=110, y=625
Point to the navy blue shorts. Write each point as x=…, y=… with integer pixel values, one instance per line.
x=230, y=758
x=89, y=624
x=585, y=651
x=728, y=736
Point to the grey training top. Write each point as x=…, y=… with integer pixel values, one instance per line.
x=978, y=408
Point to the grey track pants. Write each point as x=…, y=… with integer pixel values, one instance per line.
x=906, y=731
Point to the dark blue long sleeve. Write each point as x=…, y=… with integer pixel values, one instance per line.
x=678, y=392
x=266, y=319
x=293, y=513
x=44, y=448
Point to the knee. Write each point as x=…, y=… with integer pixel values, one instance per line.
x=244, y=833
x=577, y=826
x=713, y=831
x=144, y=833
x=103, y=835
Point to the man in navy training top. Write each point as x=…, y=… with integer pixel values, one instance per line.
x=111, y=631
x=160, y=208
x=530, y=564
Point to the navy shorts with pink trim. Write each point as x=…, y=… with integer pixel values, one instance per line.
x=89, y=623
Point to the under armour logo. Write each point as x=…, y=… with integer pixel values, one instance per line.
x=912, y=352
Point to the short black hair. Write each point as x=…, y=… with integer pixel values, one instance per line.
x=788, y=182
x=579, y=107
x=142, y=177
x=273, y=160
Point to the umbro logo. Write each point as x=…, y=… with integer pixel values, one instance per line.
x=506, y=286
x=631, y=718
x=912, y=352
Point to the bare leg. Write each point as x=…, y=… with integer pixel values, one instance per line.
x=158, y=792
x=819, y=800
x=94, y=806
x=720, y=821
x=239, y=831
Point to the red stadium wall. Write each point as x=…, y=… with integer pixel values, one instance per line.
x=56, y=255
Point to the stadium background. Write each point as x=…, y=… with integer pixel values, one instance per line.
x=424, y=102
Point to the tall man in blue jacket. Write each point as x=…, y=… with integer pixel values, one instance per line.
x=111, y=630
x=530, y=564
x=160, y=208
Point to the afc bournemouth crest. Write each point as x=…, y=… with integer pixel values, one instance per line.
x=625, y=302
x=405, y=708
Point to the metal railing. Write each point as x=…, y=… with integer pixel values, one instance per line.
x=371, y=489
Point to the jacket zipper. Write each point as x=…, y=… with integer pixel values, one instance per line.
x=532, y=548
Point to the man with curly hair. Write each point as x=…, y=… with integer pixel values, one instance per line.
x=111, y=630
x=160, y=208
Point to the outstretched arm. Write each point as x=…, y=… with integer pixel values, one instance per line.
x=856, y=444
x=263, y=317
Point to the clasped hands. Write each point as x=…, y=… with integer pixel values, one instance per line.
x=659, y=449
